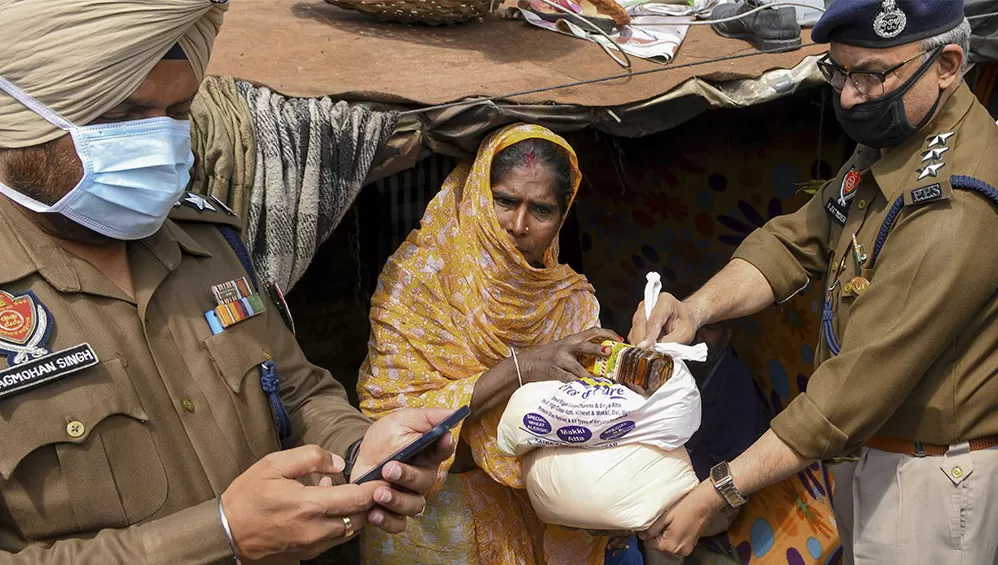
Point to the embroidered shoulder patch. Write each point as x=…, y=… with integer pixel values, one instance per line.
x=25, y=327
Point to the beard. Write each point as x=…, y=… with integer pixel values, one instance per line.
x=47, y=173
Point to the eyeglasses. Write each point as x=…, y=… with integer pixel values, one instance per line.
x=868, y=83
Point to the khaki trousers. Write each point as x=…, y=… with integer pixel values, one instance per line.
x=896, y=509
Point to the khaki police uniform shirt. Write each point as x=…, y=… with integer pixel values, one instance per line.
x=918, y=348
x=123, y=462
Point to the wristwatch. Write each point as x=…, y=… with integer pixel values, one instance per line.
x=720, y=475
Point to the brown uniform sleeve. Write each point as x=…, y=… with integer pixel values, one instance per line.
x=931, y=277
x=320, y=412
x=792, y=249
x=192, y=536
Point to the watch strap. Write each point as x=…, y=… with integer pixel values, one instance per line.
x=720, y=476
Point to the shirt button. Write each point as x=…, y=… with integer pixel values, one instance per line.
x=862, y=204
x=266, y=354
x=188, y=404
x=76, y=429
x=956, y=472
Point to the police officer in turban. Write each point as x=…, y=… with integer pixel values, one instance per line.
x=147, y=382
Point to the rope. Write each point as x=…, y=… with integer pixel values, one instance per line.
x=239, y=248
x=271, y=385
x=608, y=78
x=982, y=16
x=489, y=99
x=887, y=226
x=739, y=16
x=964, y=182
x=827, y=317
x=958, y=181
x=970, y=183
x=270, y=382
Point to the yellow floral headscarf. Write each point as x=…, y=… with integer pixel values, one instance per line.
x=457, y=295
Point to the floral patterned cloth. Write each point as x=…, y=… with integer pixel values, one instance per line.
x=449, y=305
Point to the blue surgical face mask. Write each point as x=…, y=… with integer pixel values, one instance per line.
x=133, y=172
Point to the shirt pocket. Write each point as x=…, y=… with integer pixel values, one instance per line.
x=237, y=353
x=78, y=455
x=849, y=292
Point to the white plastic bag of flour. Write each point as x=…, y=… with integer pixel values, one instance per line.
x=598, y=413
x=608, y=458
x=599, y=456
x=624, y=489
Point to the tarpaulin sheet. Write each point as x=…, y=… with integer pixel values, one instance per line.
x=309, y=48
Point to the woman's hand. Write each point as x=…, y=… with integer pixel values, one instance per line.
x=557, y=361
x=560, y=360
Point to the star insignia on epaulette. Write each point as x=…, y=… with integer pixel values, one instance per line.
x=934, y=154
x=930, y=171
x=197, y=202
x=940, y=140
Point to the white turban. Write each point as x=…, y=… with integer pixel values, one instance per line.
x=84, y=57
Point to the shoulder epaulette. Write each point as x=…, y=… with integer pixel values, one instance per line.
x=936, y=191
x=932, y=182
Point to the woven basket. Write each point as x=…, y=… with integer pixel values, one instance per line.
x=429, y=12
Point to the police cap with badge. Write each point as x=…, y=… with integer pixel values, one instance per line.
x=881, y=120
x=880, y=24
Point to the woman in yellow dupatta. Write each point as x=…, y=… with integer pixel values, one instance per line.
x=479, y=279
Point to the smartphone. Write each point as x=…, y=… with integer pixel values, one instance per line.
x=424, y=441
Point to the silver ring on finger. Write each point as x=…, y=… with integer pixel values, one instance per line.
x=348, y=527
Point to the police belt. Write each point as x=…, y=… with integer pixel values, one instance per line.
x=918, y=449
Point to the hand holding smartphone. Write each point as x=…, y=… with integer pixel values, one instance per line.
x=420, y=444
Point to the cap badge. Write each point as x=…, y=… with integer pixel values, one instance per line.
x=891, y=21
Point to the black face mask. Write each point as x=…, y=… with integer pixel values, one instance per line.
x=883, y=122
